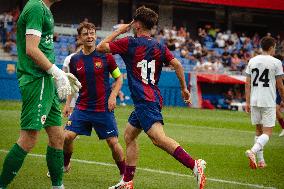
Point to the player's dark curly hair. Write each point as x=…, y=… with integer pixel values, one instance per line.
x=87, y=25
x=146, y=16
x=267, y=42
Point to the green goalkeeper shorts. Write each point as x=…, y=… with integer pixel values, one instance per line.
x=41, y=106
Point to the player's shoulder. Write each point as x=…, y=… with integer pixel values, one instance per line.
x=108, y=55
x=255, y=58
x=70, y=55
x=74, y=56
x=34, y=5
x=100, y=54
x=275, y=60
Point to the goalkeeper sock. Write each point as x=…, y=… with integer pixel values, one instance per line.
x=183, y=157
x=54, y=159
x=12, y=164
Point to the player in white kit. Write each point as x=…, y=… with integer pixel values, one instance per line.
x=264, y=75
x=67, y=110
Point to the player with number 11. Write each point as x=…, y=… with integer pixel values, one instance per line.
x=144, y=58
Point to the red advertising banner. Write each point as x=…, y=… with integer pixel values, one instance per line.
x=262, y=4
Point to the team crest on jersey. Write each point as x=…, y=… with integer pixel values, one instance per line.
x=43, y=119
x=98, y=65
x=68, y=123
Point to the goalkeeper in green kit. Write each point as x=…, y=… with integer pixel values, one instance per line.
x=41, y=85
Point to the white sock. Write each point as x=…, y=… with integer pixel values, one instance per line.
x=259, y=154
x=260, y=143
x=58, y=187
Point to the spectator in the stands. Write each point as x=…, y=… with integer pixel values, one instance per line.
x=220, y=42
x=226, y=58
x=255, y=40
x=201, y=35
x=171, y=44
x=184, y=53
x=218, y=66
x=235, y=61
x=225, y=102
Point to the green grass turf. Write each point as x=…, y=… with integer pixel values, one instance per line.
x=219, y=137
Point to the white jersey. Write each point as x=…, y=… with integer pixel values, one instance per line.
x=66, y=66
x=67, y=62
x=263, y=70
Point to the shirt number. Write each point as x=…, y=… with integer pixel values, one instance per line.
x=144, y=65
x=263, y=77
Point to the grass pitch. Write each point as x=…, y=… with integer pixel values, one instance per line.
x=219, y=137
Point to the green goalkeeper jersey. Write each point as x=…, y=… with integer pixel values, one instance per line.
x=36, y=19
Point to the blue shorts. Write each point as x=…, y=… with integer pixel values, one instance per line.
x=82, y=122
x=278, y=98
x=145, y=115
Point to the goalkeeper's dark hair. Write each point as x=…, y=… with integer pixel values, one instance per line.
x=267, y=42
x=146, y=16
x=87, y=25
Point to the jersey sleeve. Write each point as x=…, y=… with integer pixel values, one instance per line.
x=66, y=62
x=168, y=56
x=119, y=46
x=248, y=72
x=279, y=69
x=34, y=20
x=112, y=66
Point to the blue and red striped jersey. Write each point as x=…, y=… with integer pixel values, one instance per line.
x=144, y=58
x=93, y=72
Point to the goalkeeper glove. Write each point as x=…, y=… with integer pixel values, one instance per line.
x=61, y=81
x=75, y=84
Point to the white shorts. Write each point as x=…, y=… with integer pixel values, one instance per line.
x=263, y=115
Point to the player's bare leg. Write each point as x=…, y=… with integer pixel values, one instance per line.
x=130, y=136
x=28, y=139
x=157, y=135
x=280, y=119
x=69, y=137
x=117, y=153
x=54, y=155
x=15, y=158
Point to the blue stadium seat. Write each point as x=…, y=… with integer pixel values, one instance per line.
x=14, y=51
x=71, y=39
x=64, y=53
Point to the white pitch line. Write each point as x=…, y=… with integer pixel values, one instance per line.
x=157, y=171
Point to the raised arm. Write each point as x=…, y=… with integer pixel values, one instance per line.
x=103, y=46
